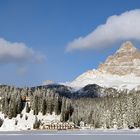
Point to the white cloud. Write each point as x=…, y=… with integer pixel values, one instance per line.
x=18, y=53
x=117, y=27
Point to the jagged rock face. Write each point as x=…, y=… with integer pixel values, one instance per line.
x=125, y=61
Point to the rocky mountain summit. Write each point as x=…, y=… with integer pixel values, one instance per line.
x=125, y=61
x=120, y=70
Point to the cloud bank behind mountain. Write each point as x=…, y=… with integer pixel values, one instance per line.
x=125, y=26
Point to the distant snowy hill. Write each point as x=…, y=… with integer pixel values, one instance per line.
x=120, y=71
x=48, y=82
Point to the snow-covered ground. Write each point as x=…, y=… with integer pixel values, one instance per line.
x=22, y=123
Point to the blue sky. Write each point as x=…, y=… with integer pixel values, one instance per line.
x=47, y=26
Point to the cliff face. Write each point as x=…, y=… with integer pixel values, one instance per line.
x=125, y=61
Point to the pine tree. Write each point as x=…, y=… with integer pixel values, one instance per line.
x=19, y=104
x=27, y=108
x=35, y=105
x=44, y=107
x=37, y=123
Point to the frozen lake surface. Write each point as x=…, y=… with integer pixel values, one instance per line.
x=70, y=135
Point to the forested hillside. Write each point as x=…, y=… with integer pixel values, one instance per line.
x=95, y=106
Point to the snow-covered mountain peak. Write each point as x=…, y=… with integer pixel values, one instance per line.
x=120, y=70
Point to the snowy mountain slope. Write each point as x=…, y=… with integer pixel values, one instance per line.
x=120, y=71
x=106, y=80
